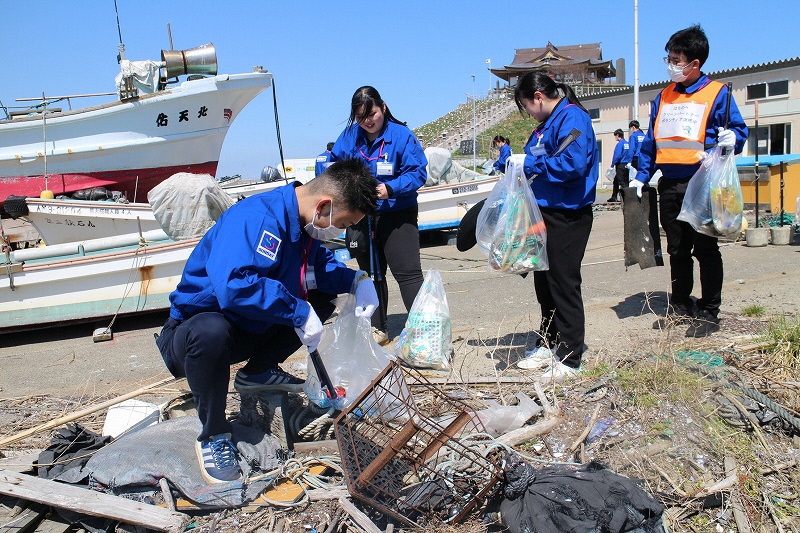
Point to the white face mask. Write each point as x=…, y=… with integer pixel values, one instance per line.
x=676, y=73
x=323, y=234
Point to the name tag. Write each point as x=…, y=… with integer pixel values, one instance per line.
x=311, y=279
x=384, y=168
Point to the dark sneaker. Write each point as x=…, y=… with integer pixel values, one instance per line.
x=703, y=326
x=612, y=200
x=274, y=379
x=217, y=456
x=672, y=319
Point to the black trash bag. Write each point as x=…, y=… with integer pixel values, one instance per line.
x=70, y=449
x=93, y=194
x=575, y=498
x=15, y=206
x=641, y=237
x=466, y=239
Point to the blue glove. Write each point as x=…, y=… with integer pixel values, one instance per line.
x=726, y=138
x=366, y=296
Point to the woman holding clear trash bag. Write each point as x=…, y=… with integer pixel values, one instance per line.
x=560, y=161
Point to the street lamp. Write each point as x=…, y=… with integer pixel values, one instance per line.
x=474, y=147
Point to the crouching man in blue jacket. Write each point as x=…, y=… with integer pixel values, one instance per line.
x=257, y=287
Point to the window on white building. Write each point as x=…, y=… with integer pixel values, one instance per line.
x=594, y=113
x=771, y=89
x=775, y=139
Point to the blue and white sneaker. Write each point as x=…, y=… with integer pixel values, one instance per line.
x=217, y=456
x=538, y=358
x=273, y=379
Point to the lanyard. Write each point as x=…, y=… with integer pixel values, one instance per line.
x=380, y=152
x=303, y=269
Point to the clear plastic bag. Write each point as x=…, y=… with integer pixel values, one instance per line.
x=510, y=230
x=713, y=203
x=611, y=172
x=500, y=419
x=351, y=357
x=426, y=340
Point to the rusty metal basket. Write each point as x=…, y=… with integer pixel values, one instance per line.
x=415, y=461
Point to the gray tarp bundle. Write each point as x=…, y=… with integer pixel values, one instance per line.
x=133, y=464
x=642, y=240
x=186, y=205
x=442, y=169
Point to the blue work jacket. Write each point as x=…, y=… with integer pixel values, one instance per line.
x=716, y=119
x=566, y=180
x=248, y=266
x=323, y=162
x=635, y=141
x=396, y=144
x=622, y=152
x=505, y=153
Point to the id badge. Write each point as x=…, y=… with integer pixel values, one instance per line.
x=311, y=279
x=537, y=150
x=384, y=168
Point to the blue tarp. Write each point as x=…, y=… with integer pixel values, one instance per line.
x=767, y=160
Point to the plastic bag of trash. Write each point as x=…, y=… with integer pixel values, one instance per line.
x=500, y=419
x=713, y=203
x=610, y=173
x=510, y=229
x=425, y=341
x=350, y=354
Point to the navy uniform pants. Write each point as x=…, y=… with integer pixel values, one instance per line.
x=558, y=289
x=202, y=349
x=683, y=242
x=397, y=244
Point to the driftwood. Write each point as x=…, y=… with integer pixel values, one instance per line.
x=90, y=502
x=552, y=419
x=74, y=416
x=742, y=522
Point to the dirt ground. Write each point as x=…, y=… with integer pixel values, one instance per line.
x=666, y=405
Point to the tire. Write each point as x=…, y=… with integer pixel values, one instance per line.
x=15, y=206
x=466, y=228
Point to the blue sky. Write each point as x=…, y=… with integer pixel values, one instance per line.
x=419, y=55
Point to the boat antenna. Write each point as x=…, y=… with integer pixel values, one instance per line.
x=169, y=32
x=278, y=130
x=121, y=46
x=44, y=134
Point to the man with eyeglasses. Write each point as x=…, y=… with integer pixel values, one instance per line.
x=687, y=119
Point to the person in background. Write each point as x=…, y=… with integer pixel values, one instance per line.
x=504, y=152
x=687, y=119
x=256, y=288
x=620, y=161
x=323, y=160
x=397, y=161
x=563, y=178
x=635, y=140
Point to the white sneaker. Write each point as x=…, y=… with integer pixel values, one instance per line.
x=380, y=336
x=538, y=358
x=560, y=371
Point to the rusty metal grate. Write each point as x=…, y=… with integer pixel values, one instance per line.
x=411, y=462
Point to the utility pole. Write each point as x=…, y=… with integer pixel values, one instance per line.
x=474, y=125
x=636, y=60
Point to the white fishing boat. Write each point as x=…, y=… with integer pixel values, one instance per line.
x=62, y=221
x=91, y=279
x=154, y=130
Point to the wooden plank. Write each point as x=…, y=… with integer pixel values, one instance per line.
x=22, y=464
x=26, y=521
x=53, y=524
x=89, y=502
x=358, y=517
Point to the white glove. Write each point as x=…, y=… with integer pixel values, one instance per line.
x=515, y=166
x=726, y=138
x=366, y=296
x=311, y=331
x=639, y=186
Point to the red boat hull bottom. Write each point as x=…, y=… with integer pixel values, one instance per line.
x=134, y=184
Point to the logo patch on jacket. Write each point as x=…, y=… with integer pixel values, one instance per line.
x=268, y=245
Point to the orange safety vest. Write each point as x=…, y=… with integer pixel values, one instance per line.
x=680, y=125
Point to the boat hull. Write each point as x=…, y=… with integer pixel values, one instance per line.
x=128, y=145
x=123, y=281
